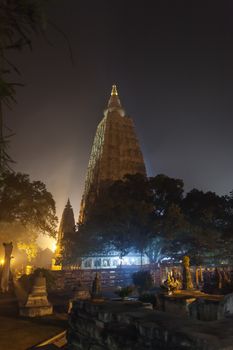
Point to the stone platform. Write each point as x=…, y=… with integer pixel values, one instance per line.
x=198, y=305
x=129, y=326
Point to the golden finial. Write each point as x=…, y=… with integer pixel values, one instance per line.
x=114, y=91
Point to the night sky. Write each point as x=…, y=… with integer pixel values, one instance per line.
x=173, y=64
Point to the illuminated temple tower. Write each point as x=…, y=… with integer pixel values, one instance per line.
x=66, y=227
x=115, y=152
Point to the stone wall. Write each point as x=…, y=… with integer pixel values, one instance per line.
x=129, y=326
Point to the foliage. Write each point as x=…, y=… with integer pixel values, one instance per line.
x=19, y=20
x=122, y=211
x=26, y=208
x=154, y=217
x=124, y=292
x=143, y=280
x=31, y=249
x=148, y=298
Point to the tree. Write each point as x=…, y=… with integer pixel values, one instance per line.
x=168, y=218
x=120, y=220
x=153, y=217
x=166, y=191
x=26, y=208
x=19, y=20
x=205, y=213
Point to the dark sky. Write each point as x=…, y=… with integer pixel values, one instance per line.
x=173, y=64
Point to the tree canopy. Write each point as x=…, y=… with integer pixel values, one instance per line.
x=154, y=217
x=26, y=208
x=19, y=20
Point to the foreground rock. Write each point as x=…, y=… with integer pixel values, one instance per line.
x=129, y=326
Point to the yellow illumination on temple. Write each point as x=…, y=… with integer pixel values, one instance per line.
x=114, y=91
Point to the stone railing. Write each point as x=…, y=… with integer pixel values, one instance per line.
x=129, y=326
x=68, y=279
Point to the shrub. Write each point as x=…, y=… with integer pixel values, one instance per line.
x=142, y=280
x=124, y=292
x=148, y=298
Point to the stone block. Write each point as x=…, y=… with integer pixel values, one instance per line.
x=225, y=308
x=146, y=330
x=178, y=305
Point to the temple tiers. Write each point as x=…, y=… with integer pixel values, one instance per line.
x=115, y=152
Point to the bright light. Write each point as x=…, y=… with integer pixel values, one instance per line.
x=47, y=242
x=53, y=246
x=2, y=262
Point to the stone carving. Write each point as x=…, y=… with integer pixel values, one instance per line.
x=172, y=283
x=96, y=286
x=37, y=303
x=115, y=152
x=187, y=278
x=6, y=267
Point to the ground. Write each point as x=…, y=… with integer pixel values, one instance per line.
x=19, y=333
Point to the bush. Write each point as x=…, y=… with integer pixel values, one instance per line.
x=148, y=298
x=142, y=280
x=124, y=292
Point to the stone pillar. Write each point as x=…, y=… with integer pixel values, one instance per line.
x=96, y=287
x=8, y=247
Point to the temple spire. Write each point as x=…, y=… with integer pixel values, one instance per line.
x=66, y=227
x=68, y=203
x=114, y=91
x=114, y=101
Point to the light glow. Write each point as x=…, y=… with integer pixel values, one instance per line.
x=53, y=246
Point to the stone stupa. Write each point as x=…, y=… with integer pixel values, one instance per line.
x=37, y=303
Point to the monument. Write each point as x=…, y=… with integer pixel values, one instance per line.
x=115, y=152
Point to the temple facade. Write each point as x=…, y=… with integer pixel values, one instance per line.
x=115, y=152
